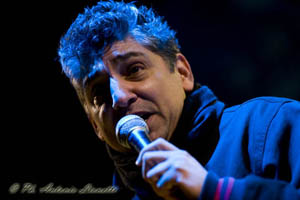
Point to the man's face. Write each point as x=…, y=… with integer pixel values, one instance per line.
x=134, y=80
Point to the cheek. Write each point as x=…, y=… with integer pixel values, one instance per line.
x=108, y=118
x=167, y=92
x=107, y=126
x=155, y=88
x=171, y=98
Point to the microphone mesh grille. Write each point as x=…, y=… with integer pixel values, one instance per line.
x=128, y=122
x=126, y=125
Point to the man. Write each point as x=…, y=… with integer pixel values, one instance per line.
x=125, y=60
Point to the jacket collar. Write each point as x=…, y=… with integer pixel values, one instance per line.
x=197, y=130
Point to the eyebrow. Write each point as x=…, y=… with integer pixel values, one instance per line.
x=116, y=59
x=123, y=57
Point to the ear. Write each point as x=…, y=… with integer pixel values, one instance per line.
x=87, y=108
x=184, y=69
x=97, y=128
x=90, y=111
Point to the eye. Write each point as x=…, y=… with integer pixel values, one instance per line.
x=134, y=71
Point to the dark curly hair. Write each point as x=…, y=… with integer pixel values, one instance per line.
x=99, y=27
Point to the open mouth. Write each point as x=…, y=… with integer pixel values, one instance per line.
x=144, y=115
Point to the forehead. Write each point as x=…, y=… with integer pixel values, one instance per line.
x=123, y=50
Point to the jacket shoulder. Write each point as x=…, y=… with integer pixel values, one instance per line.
x=261, y=108
x=264, y=121
x=256, y=114
x=263, y=101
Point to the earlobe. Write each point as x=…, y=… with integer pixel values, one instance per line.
x=185, y=71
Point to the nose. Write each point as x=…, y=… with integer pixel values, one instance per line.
x=122, y=95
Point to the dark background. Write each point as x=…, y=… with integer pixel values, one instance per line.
x=240, y=49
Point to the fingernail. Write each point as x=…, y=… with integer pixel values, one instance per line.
x=158, y=185
x=137, y=162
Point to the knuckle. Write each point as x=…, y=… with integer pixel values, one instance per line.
x=148, y=159
x=146, y=156
x=184, y=153
x=177, y=166
x=159, y=140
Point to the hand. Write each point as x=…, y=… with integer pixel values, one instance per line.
x=170, y=169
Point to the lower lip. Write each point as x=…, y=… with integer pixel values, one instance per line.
x=150, y=122
x=148, y=119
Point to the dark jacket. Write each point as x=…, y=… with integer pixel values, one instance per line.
x=251, y=151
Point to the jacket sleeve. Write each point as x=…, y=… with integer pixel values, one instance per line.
x=279, y=163
x=250, y=187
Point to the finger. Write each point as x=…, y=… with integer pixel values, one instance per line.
x=167, y=180
x=167, y=186
x=158, y=144
x=155, y=172
x=153, y=158
x=157, y=155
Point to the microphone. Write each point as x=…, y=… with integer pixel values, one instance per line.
x=132, y=131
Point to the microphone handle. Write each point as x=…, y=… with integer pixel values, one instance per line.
x=138, y=138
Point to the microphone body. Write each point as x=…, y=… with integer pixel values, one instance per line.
x=132, y=131
x=138, y=139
